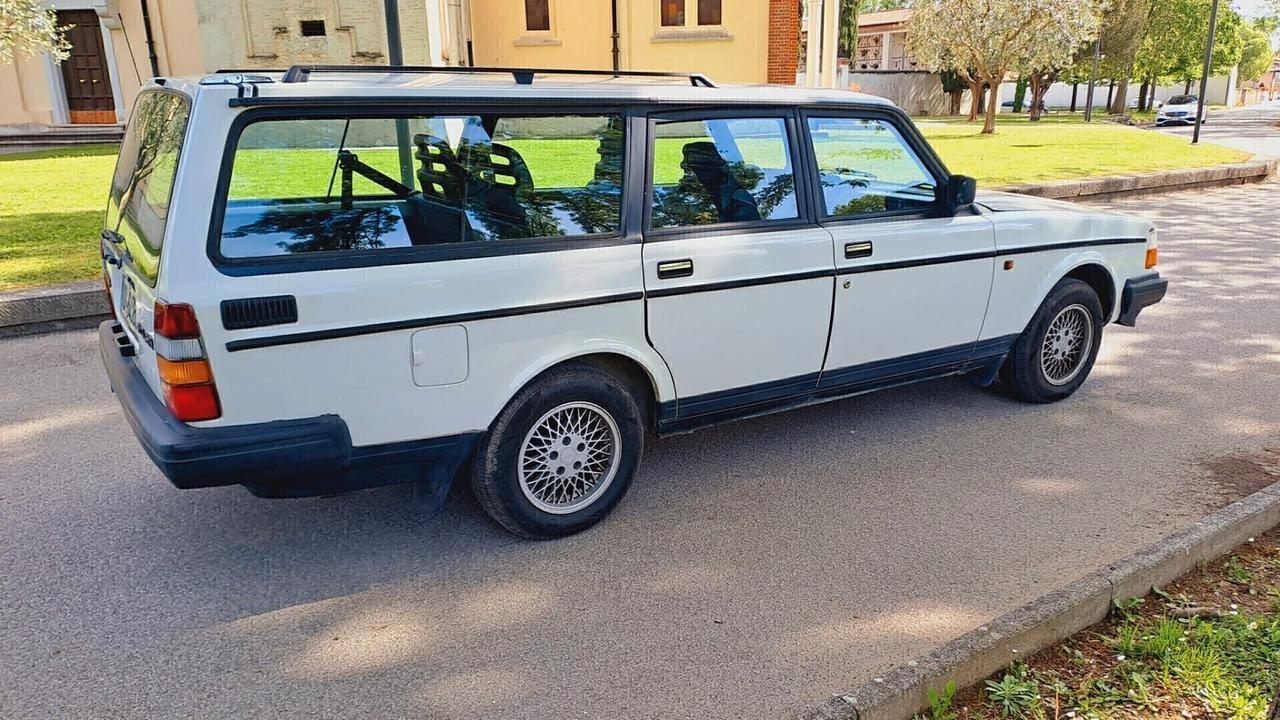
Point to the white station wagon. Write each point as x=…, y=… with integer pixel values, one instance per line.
x=335, y=278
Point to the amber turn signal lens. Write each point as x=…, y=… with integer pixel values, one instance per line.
x=185, y=372
x=1153, y=255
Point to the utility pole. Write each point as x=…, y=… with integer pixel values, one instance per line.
x=1204, y=74
x=1093, y=74
x=395, y=54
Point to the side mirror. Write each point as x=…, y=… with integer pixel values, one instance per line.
x=957, y=193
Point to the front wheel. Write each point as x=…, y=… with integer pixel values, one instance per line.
x=561, y=454
x=1054, y=355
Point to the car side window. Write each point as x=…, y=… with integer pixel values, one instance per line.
x=312, y=185
x=867, y=167
x=721, y=170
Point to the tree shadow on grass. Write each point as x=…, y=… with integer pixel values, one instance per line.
x=48, y=248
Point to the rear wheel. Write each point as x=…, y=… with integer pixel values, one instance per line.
x=561, y=454
x=1054, y=355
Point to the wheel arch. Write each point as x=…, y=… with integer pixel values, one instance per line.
x=1101, y=280
x=645, y=376
x=1091, y=267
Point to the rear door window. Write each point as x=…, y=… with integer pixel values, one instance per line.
x=329, y=185
x=141, y=188
x=721, y=170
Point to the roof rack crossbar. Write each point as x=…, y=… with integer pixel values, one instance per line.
x=523, y=76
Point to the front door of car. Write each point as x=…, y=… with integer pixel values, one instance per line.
x=911, y=284
x=738, y=278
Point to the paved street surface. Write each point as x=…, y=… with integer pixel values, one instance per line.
x=754, y=568
x=1255, y=129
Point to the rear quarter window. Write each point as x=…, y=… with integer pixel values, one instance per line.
x=142, y=186
x=345, y=185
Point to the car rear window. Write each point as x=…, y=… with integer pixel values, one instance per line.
x=138, y=206
x=325, y=185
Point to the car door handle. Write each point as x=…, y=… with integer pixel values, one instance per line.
x=675, y=269
x=857, y=250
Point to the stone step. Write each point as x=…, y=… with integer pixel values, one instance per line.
x=59, y=136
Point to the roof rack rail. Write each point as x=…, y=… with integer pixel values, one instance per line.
x=523, y=76
x=245, y=71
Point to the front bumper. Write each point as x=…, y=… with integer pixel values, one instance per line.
x=281, y=458
x=1140, y=292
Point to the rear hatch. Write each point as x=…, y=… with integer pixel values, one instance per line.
x=137, y=217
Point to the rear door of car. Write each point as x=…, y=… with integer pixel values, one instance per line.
x=738, y=276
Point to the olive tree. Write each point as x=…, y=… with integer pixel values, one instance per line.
x=31, y=27
x=988, y=39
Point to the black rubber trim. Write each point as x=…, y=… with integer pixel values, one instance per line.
x=743, y=283
x=685, y=414
x=414, y=323
x=1140, y=292
x=916, y=262
x=984, y=254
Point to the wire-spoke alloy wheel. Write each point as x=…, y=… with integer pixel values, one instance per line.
x=569, y=457
x=1053, y=355
x=1066, y=345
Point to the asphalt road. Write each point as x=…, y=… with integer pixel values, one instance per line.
x=1255, y=129
x=754, y=568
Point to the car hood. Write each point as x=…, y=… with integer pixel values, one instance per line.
x=1008, y=202
x=1181, y=108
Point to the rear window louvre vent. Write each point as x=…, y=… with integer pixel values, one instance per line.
x=257, y=312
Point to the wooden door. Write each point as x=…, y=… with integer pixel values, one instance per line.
x=84, y=73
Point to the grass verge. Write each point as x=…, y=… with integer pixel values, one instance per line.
x=1062, y=147
x=1207, y=646
x=51, y=208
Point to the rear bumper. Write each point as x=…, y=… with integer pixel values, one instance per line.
x=1140, y=292
x=281, y=458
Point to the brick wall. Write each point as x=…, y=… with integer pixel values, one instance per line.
x=784, y=41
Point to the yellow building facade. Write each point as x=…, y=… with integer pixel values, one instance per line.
x=729, y=40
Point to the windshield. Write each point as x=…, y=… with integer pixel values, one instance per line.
x=138, y=207
x=1182, y=100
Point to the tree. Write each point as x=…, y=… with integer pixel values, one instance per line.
x=991, y=38
x=1255, y=54
x=954, y=87
x=29, y=26
x=1173, y=46
x=1123, y=29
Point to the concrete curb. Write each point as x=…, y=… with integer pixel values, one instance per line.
x=1101, y=188
x=41, y=309
x=976, y=655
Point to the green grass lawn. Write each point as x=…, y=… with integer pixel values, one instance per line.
x=1062, y=147
x=52, y=202
x=51, y=208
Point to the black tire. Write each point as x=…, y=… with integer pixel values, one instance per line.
x=1024, y=373
x=496, y=468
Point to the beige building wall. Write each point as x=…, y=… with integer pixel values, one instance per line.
x=735, y=51
x=268, y=33
x=192, y=37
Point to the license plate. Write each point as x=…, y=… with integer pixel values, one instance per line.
x=129, y=306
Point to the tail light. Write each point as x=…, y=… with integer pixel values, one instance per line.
x=1153, y=253
x=185, y=375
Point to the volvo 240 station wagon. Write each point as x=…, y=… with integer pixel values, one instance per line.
x=335, y=278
